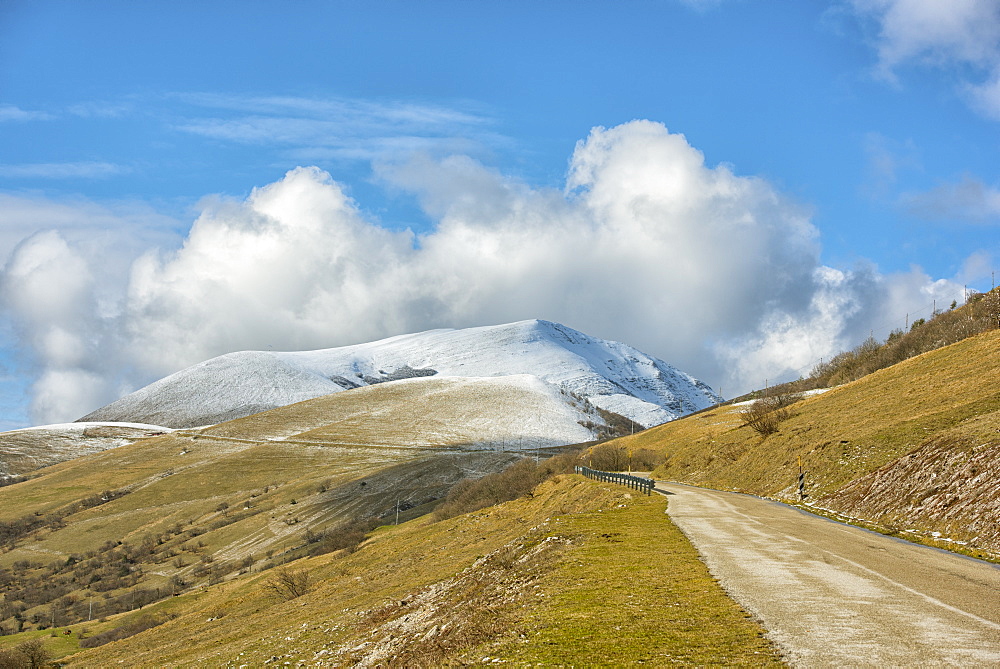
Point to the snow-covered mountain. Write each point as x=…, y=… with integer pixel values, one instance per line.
x=609, y=375
x=502, y=413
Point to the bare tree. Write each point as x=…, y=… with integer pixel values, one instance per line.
x=29, y=654
x=289, y=583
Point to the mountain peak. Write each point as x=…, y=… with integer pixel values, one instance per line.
x=608, y=375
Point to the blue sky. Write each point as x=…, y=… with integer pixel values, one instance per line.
x=866, y=131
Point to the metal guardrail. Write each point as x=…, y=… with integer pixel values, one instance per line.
x=634, y=482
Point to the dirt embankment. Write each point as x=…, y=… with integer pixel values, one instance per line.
x=946, y=487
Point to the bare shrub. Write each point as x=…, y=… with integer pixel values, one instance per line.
x=347, y=536
x=608, y=458
x=618, y=458
x=290, y=583
x=764, y=415
x=646, y=459
x=29, y=654
x=468, y=495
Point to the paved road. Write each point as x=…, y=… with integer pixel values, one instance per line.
x=835, y=595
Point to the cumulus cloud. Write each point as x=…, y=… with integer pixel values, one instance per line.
x=50, y=288
x=960, y=34
x=61, y=291
x=293, y=266
x=715, y=272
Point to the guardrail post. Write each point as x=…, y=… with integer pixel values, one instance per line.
x=646, y=485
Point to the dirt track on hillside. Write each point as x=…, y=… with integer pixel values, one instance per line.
x=834, y=595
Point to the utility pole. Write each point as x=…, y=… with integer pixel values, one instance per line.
x=397, y=511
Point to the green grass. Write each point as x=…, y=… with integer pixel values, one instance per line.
x=469, y=585
x=633, y=591
x=57, y=644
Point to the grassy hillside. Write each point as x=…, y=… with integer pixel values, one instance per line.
x=913, y=448
x=99, y=534
x=580, y=573
x=23, y=451
x=121, y=528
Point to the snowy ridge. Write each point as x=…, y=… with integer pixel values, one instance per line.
x=609, y=375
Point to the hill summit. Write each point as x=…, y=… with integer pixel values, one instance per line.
x=610, y=376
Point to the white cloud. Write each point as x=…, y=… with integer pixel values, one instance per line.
x=61, y=288
x=956, y=34
x=715, y=272
x=701, y=5
x=128, y=228
x=94, y=109
x=985, y=97
x=51, y=289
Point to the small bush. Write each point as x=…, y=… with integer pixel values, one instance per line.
x=518, y=480
x=346, y=536
x=764, y=414
x=289, y=584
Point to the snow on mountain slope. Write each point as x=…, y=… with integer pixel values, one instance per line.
x=32, y=448
x=610, y=375
x=517, y=412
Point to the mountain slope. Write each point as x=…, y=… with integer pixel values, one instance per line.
x=610, y=375
x=913, y=449
x=578, y=574
x=496, y=413
x=23, y=451
x=256, y=485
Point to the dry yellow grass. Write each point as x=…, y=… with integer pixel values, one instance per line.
x=845, y=433
x=580, y=573
x=206, y=501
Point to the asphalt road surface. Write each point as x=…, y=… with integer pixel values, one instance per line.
x=834, y=595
